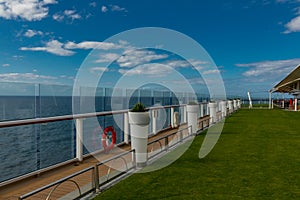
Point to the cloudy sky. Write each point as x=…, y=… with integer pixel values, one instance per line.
x=253, y=43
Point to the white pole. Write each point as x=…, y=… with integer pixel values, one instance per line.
x=79, y=138
x=270, y=100
x=250, y=101
x=154, y=117
x=126, y=128
x=172, y=117
x=184, y=114
x=296, y=102
x=201, y=110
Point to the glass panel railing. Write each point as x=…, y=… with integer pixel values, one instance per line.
x=55, y=100
x=18, y=151
x=93, y=131
x=56, y=142
x=17, y=101
x=32, y=147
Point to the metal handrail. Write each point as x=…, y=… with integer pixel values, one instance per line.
x=22, y=122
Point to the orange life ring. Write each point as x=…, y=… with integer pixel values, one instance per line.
x=106, y=138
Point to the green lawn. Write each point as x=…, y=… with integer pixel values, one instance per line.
x=256, y=157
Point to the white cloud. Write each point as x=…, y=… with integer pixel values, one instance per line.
x=93, y=4
x=178, y=63
x=152, y=69
x=92, y=45
x=53, y=46
x=197, y=64
x=113, y=8
x=17, y=57
x=61, y=49
x=24, y=77
x=104, y=9
x=98, y=69
x=270, y=69
x=72, y=14
x=133, y=58
x=67, y=14
x=107, y=58
x=6, y=65
x=213, y=71
x=293, y=25
x=117, y=8
x=58, y=17
x=30, y=33
x=30, y=10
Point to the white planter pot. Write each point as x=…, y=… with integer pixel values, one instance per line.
x=139, y=118
x=239, y=104
x=213, y=111
x=192, y=114
x=235, y=104
x=230, y=106
x=139, y=123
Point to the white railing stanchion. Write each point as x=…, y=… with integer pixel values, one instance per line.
x=154, y=119
x=172, y=117
x=126, y=128
x=207, y=109
x=79, y=138
x=201, y=110
x=184, y=114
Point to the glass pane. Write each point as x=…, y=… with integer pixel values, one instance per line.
x=17, y=151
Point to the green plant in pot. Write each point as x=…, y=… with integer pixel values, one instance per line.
x=139, y=115
x=138, y=107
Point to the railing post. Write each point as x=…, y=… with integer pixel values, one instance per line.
x=184, y=114
x=126, y=128
x=207, y=109
x=172, y=117
x=201, y=110
x=154, y=117
x=96, y=178
x=79, y=138
x=134, y=158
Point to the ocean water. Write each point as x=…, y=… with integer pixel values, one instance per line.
x=24, y=149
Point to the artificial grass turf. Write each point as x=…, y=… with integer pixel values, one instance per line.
x=256, y=157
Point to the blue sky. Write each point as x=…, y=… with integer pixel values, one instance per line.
x=253, y=43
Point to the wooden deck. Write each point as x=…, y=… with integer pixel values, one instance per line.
x=15, y=190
